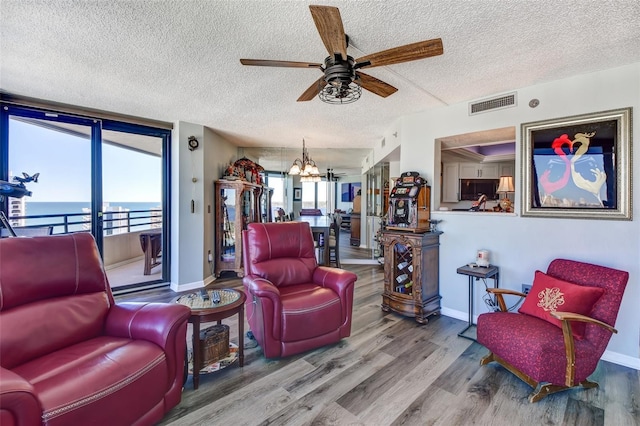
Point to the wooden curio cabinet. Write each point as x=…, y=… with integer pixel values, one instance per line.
x=237, y=203
x=411, y=274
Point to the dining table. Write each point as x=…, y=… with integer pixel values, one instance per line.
x=151, y=244
x=320, y=225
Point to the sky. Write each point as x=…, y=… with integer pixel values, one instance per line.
x=64, y=164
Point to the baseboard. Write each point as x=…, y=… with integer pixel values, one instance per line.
x=452, y=313
x=208, y=280
x=620, y=359
x=609, y=356
x=187, y=286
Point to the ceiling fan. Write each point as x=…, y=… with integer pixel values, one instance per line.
x=342, y=79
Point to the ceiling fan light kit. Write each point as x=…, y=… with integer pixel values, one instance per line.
x=339, y=85
x=342, y=82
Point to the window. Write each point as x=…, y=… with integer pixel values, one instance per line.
x=278, y=183
x=309, y=195
x=319, y=195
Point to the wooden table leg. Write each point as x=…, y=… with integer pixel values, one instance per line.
x=196, y=353
x=241, y=336
x=185, y=374
x=327, y=254
x=147, y=255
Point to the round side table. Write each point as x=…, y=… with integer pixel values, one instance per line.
x=212, y=305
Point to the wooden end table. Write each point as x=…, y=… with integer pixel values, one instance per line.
x=218, y=305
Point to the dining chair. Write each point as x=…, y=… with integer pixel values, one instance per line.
x=334, y=239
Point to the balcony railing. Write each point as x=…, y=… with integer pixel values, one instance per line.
x=64, y=223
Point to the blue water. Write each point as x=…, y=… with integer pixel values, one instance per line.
x=57, y=208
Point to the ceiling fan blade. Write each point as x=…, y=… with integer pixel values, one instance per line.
x=376, y=86
x=312, y=91
x=329, y=25
x=406, y=53
x=270, y=63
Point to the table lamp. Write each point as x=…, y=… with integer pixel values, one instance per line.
x=505, y=186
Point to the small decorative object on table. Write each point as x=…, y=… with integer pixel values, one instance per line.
x=479, y=206
x=214, y=343
x=409, y=204
x=505, y=186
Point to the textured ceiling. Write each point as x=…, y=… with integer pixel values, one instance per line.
x=179, y=60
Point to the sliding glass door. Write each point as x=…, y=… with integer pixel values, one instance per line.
x=100, y=176
x=132, y=200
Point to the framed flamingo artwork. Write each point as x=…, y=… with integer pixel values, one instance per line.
x=578, y=167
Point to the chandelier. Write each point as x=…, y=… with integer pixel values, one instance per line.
x=305, y=167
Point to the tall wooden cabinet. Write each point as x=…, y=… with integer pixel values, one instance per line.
x=237, y=203
x=411, y=274
x=355, y=230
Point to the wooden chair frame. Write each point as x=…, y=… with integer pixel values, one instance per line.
x=540, y=390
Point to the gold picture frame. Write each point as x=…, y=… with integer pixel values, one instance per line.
x=578, y=167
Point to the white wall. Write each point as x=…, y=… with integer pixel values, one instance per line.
x=192, y=232
x=521, y=245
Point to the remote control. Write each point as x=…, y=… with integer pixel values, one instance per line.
x=216, y=296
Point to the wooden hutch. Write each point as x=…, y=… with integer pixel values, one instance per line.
x=411, y=251
x=237, y=203
x=411, y=274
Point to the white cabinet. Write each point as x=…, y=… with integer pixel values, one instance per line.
x=479, y=171
x=507, y=169
x=450, y=183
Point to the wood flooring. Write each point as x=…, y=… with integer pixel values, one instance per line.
x=390, y=371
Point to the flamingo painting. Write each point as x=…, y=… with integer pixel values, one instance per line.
x=547, y=184
x=600, y=177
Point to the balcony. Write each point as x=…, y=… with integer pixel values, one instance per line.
x=123, y=257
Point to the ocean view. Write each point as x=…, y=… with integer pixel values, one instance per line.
x=61, y=208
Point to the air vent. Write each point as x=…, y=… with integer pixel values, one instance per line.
x=506, y=101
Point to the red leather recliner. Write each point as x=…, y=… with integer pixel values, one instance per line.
x=293, y=305
x=69, y=355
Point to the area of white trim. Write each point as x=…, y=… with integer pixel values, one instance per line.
x=187, y=286
x=620, y=359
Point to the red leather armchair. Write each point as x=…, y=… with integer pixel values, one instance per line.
x=293, y=305
x=69, y=355
x=549, y=344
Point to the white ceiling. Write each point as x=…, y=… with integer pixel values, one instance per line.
x=179, y=59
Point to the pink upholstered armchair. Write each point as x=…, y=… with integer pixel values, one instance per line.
x=562, y=328
x=69, y=355
x=293, y=305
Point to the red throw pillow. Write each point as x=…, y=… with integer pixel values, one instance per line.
x=549, y=294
